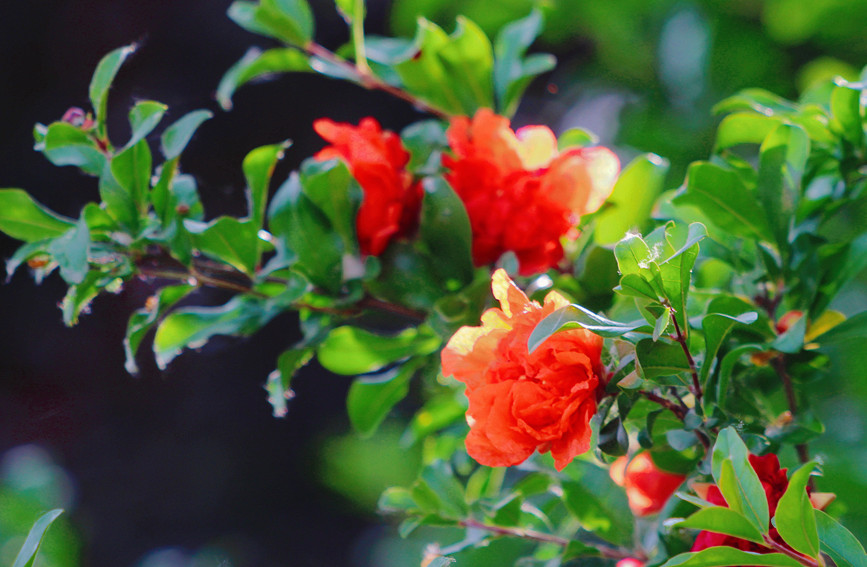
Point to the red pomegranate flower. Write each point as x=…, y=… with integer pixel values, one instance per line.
x=648, y=487
x=377, y=160
x=522, y=402
x=521, y=194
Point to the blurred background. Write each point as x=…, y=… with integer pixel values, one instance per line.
x=187, y=467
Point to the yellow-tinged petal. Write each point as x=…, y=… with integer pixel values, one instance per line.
x=537, y=146
x=512, y=299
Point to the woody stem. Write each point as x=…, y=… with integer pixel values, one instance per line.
x=368, y=80
x=680, y=337
x=779, y=364
x=608, y=552
x=802, y=559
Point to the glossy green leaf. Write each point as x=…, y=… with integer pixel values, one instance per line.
x=308, y=234
x=27, y=555
x=716, y=327
x=633, y=197
x=258, y=64
x=371, y=398
x=331, y=187
x=513, y=71
x=407, y=277
x=737, y=480
x=176, y=137
x=795, y=519
x=35, y=249
x=101, y=82
x=445, y=232
x=577, y=137
x=143, y=118
x=78, y=296
x=258, y=168
x=678, y=247
x=782, y=158
x=657, y=359
x=290, y=21
x=70, y=251
x=435, y=414
x=23, y=218
x=727, y=367
x=722, y=520
x=118, y=202
x=228, y=240
x=279, y=383
x=636, y=286
x=575, y=316
x=599, y=505
x=744, y=128
x=192, y=327
x=756, y=100
x=453, y=72
x=144, y=319
x=730, y=557
x=846, y=117
x=350, y=350
x=439, y=478
x=613, y=439
x=839, y=543
x=65, y=144
x=721, y=195
x=131, y=168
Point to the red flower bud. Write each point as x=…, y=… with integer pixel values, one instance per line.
x=648, y=488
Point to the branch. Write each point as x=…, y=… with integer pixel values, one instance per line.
x=605, y=551
x=370, y=81
x=785, y=550
x=779, y=364
x=680, y=337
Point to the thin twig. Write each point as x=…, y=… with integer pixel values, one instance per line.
x=680, y=337
x=802, y=559
x=666, y=403
x=370, y=81
x=779, y=364
x=605, y=551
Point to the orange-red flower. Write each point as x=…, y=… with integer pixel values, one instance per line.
x=377, y=160
x=648, y=487
x=521, y=194
x=521, y=402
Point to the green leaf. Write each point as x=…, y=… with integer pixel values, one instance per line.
x=737, y=480
x=792, y=341
x=304, y=228
x=633, y=197
x=131, y=168
x=727, y=366
x=730, y=557
x=23, y=218
x=101, y=82
x=279, y=383
x=143, y=320
x=70, y=251
x=721, y=520
x=65, y=144
x=445, y=232
x=839, y=543
x=192, y=327
x=716, y=327
x=439, y=478
x=176, y=137
x=744, y=128
x=575, y=316
x=143, y=118
x=371, y=398
x=852, y=329
x=846, y=114
x=258, y=168
x=722, y=196
x=331, y=187
x=577, y=137
x=512, y=70
x=613, y=439
x=27, y=555
x=349, y=350
x=599, y=505
x=256, y=64
x=229, y=240
x=453, y=72
x=795, y=519
x=436, y=413
x=679, y=249
x=756, y=100
x=782, y=158
x=657, y=359
x=290, y=21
